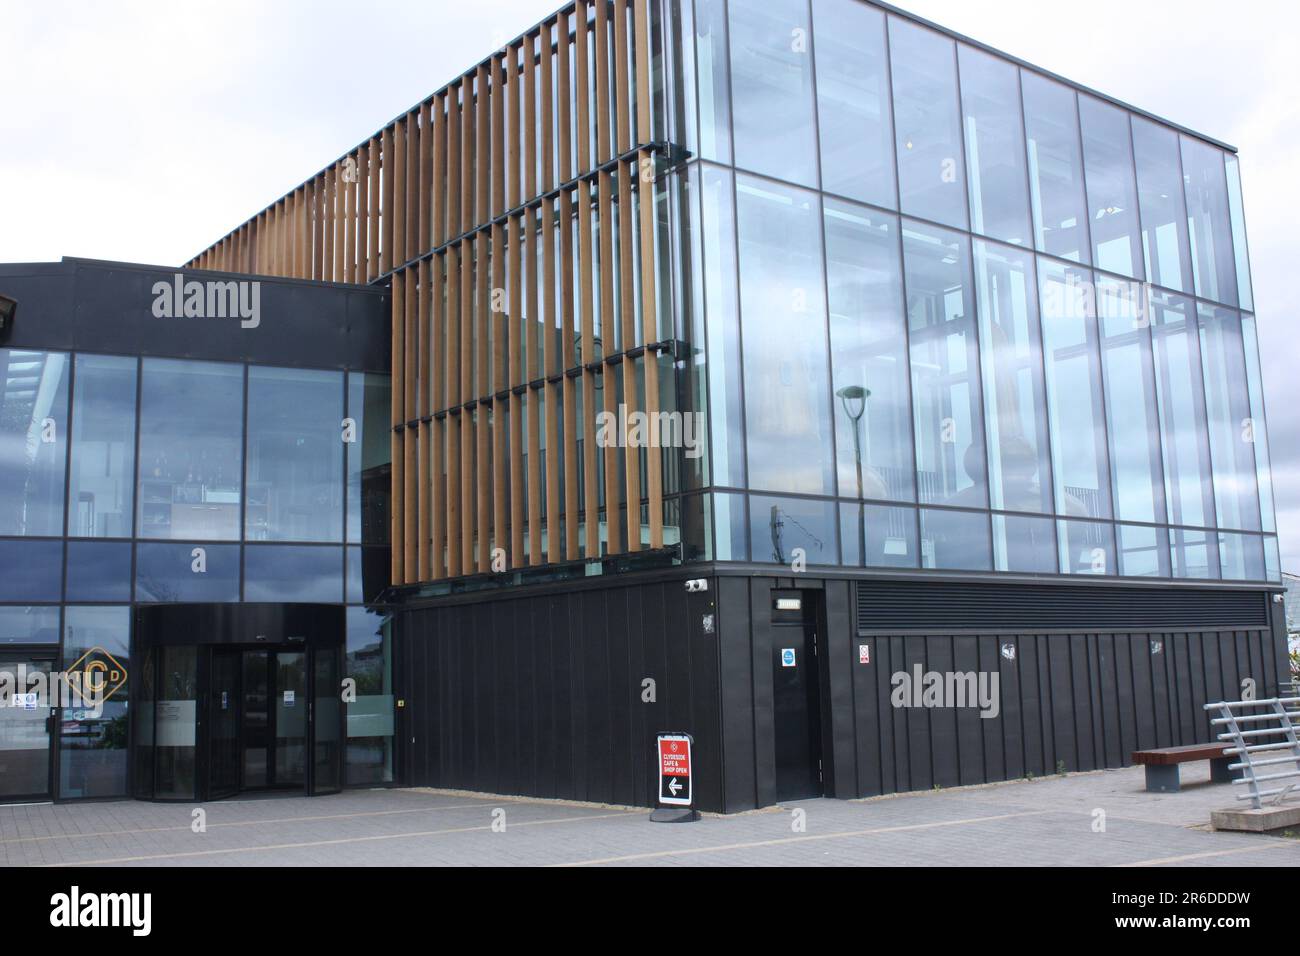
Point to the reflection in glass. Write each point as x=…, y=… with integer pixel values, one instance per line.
x=1023, y=544
x=771, y=80
x=186, y=572
x=33, y=441
x=1143, y=552
x=370, y=457
x=1232, y=433
x=1112, y=189
x=995, y=146
x=1241, y=556
x=723, y=316
x=1131, y=418
x=191, y=450
x=884, y=534
x=370, y=716
x=927, y=124
x=1080, y=467
x=21, y=624
x=712, y=79
x=102, y=480
x=293, y=574
x=1056, y=184
x=1086, y=547
x=731, y=524
x=93, y=747
x=950, y=462
x=1193, y=554
x=1258, y=426
x=99, y=570
x=1245, y=295
x=955, y=540
x=787, y=398
x=295, y=455
x=873, y=421
x=32, y=571
x=853, y=106
x=1213, y=259
x=1160, y=195
x=1011, y=356
x=1181, y=406
x=1272, y=559
x=781, y=528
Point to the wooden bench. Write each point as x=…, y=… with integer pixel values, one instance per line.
x=1162, y=764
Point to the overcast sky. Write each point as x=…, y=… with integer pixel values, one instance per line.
x=144, y=131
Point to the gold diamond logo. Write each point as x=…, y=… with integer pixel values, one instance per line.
x=99, y=675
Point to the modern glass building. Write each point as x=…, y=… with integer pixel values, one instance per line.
x=722, y=334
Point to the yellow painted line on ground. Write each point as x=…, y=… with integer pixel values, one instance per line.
x=659, y=854
x=1274, y=843
x=335, y=842
x=240, y=823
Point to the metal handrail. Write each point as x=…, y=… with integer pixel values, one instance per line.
x=1245, y=747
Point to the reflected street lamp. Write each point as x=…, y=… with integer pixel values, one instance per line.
x=854, y=400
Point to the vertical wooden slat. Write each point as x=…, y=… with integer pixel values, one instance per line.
x=563, y=103
x=515, y=376
x=411, y=355
x=438, y=206
x=483, y=147
x=437, y=401
x=610, y=399
x=568, y=360
x=399, y=193
x=363, y=214
x=452, y=423
x=372, y=189
x=641, y=60
x=455, y=189
x=498, y=95
x=467, y=443
x=386, y=261
x=500, y=450
x=398, y=535
x=627, y=317
x=530, y=120
x=547, y=132
x=580, y=86
x=467, y=170
x=482, y=424
x=622, y=101
x=650, y=334
x=412, y=247
x=337, y=223
x=513, y=125
x=349, y=231
x=586, y=293
x=423, y=482
x=554, y=453
x=602, y=82
x=424, y=182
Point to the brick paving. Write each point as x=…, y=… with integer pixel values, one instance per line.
x=1046, y=822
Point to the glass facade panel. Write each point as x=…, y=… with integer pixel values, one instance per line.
x=726, y=431
x=1011, y=355
x=99, y=570
x=1132, y=421
x=732, y=523
x=370, y=455
x=788, y=530
x=1245, y=294
x=32, y=571
x=186, y=572
x=946, y=401
x=1143, y=551
x=772, y=86
x=1112, y=188
x=370, y=716
x=191, y=450
x=93, y=742
x=33, y=441
x=1227, y=401
x=1241, y=556
x=1258, y=428
x=1193, y=554
x=927, y=124
x=295, y=455
x=995, y=146
x=1180, y=396
x=955, y=540
x=293, y=574
x=884, y=534
x=1080, y=466
x=102, y=482
x=1086, y=547
x=29, y=625
x=1272, y=559
x=873, y=418
x=1025, y=545
x=1056, y=186
x=1160, y=198
x=1210, y=223
x=854, y=114
x=787, y=394
x=712, y=79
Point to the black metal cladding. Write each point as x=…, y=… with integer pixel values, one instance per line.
x=917, y=605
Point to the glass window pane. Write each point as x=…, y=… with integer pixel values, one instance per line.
x=191, y=450
x=1245, y=295
x=1241, y=556
x=1272, y=560
x=29, y=625
x=1112, y=188
x=1087, y=547
x=1227, y=402
x=293, y=574
x=32, y=571
x=370, y=716
x=187, y=572
x=1258, y=427
x=723, y=325
x=731, y=523
x=771, y=70
x=887, y=536
x=1011, y=356
x=99, y=570
x=1160, y=198
x=853, y=108
x=369, y=570
x=1213, y=258
x=955, y=540
x=873, y=415
x=927, y=124
x=295, y=455
x=787, y=395
x=785, y=530
x=714, y=83
x=950, y=465
x=1132, y=422
x=93, y=745
x=370, y=457
x=1080, y=466
x=1025, y=545
x=103, y=447
x=176, y=723
x=995, y=146
x=33, y=433
x=1056, y=185
x=1143, y=552
x=1193, y=554
x=1181, y=404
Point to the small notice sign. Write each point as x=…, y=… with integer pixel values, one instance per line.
x=787, y=657
x=864, y=653
x=675, y=769
x=288, y=698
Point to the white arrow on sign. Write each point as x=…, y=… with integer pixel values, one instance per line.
x=674, y=787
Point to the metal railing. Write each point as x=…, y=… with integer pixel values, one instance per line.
x=1263, y=735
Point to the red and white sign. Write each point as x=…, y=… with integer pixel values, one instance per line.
x=675, y=769
x=864, y=653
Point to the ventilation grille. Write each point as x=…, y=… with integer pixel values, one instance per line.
x=915, y=605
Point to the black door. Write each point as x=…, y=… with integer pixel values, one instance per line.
x=797, y=710
x=224, y=749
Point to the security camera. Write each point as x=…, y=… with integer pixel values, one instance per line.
x=697, y=584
